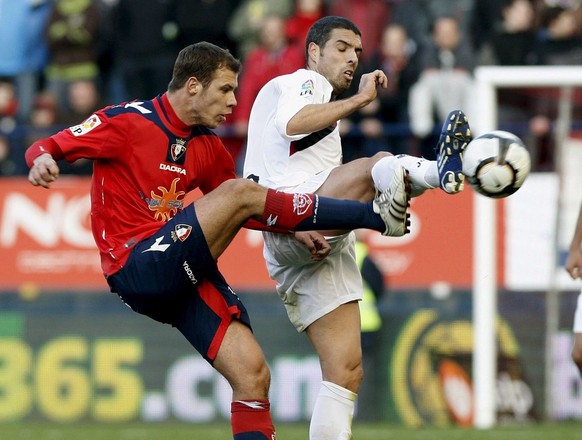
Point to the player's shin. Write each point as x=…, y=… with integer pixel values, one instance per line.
x=306, y=212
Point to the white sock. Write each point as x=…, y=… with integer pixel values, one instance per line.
x=423, y=173
x=333, y=413
x=383, y=172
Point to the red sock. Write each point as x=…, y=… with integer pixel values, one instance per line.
x=286, y=210
x=251, y=420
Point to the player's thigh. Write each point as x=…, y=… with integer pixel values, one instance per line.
x=241, y=361
x=336, y=336
x=352, y=180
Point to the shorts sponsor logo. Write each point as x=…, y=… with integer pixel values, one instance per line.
x=86, y=126
x=181, y=232
x=189, y=272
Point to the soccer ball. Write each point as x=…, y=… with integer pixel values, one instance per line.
x=496, y=163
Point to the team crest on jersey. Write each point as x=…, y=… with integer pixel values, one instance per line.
x=177, y=149
x=86, y=126
x=181, y=232
x=307, y=88
x=301, y=203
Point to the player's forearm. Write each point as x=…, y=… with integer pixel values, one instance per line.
x=315, y=117
x=43, y=146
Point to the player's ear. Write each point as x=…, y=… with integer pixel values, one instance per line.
x=313, y=51
x=193, y=86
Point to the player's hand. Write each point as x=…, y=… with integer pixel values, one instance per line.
x=574, y=264
x=315, y=243
x=44, y=171
x=369, y=84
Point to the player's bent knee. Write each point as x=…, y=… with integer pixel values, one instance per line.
x=243, y=193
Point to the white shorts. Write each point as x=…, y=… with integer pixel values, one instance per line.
x=311, y=289
x=577, y=328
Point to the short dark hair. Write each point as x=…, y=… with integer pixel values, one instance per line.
x=319, y=32
x=201, y=60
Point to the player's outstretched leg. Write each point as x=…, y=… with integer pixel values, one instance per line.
x=454, y=138
x=392, y=204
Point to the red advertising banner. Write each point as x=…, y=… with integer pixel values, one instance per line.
x=46, y=242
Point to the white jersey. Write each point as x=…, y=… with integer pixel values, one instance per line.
x=276, y=159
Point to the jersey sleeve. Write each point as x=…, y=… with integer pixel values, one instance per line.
x=98, y=137
x=297, y=91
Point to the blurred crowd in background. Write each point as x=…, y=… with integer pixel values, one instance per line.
x=60, y=60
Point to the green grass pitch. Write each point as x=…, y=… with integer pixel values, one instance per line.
x=361, y=431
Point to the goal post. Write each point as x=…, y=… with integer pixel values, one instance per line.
x=485, y=118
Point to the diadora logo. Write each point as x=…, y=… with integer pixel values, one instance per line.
x=172, y=168
x=301, y=203
x=157, y=246
x=189, y=272
x=271, y=221
x=181, y=232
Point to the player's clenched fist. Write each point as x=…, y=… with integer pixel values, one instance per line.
x=370, y=81
x=44, y=171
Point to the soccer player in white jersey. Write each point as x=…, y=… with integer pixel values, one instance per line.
x=294, y=145
x=574, y=268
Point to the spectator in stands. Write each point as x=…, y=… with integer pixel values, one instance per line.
x=23, y=48
x=396, y=57
x=485, y=19
x=513, y=40
x=306, y=13
x=43, y=119
x=8, y=104
x=204, y=20
x=145, y=35
x=8, y=110
x=445, y=82
x=245, y=22
x=417, y=16
x=369, y=15
x=512, y=43
x=83, y=99
x=559, y=39
x=72, y=34
x=31, y=79
x=559, y=43
x=6, y=166
x=273, y=57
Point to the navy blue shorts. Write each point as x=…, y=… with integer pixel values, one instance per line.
x=172, y=278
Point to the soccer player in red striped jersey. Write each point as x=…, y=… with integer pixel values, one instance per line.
x=158, y=255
